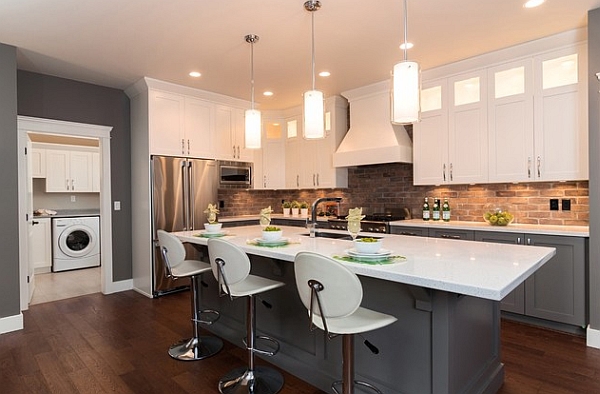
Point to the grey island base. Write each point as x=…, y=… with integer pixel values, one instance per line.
x=443, y=341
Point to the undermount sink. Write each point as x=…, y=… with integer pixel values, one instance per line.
x=324, y=234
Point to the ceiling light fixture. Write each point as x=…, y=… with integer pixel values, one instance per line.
x=314, y=120
x=253, y=123
x=195, y=74
x=533, y=3
x=406, y=86
x=324, y=74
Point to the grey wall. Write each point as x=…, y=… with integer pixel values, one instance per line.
x=50, y=97
x=594, y=148
x=9, y=193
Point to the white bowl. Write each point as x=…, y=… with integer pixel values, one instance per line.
x=367, y=247
x=213, y=227
x=271, y=235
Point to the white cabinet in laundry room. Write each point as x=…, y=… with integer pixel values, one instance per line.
x=69, y=169
x=40, y=251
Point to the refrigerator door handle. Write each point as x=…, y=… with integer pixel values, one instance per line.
x=185, y=195
x=191, y=196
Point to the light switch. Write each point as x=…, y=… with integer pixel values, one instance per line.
x=73, y=199
x=117, y=205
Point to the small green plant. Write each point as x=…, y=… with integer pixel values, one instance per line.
x=295, y=204
x=211, y=213
x=272, y=228
x=304, y=205
x=286, y=204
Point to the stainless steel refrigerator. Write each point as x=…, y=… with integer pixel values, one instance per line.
x=182, y=189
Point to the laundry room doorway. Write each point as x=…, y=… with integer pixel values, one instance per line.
x=62, y=284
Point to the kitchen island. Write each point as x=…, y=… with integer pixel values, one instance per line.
x=444, y=293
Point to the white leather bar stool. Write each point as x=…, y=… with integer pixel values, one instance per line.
x=197, y=347
x=231, y=268
x=332, y=294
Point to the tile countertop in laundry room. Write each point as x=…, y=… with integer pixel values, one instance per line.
x=68, y=213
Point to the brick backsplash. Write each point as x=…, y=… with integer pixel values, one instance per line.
x=376, y=187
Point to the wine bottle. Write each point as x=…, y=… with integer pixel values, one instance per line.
x=436, y=209
x=426, y=213
x=446, y=210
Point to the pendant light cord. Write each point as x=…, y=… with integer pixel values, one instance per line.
x=405, y=30
x=252, y=72
x=313, y=49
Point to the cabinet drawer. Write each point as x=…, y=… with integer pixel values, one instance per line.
x=468, y=235
x=411, y=231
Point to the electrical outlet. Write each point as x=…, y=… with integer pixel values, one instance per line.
x=117, y=205
x=73, y=199
x=554, y=204
x=221, y=204
x=566, y=205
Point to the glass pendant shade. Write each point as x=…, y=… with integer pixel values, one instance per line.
x=253, y=125
x=314, y=119
x=406, y=88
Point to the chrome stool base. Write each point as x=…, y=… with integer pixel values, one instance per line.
x=351, y=389
x=195, y=348
x=262, y=380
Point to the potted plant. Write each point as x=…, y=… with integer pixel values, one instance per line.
x=304, y=209
x=286, y=206
x=213, y=225
x=295, y=208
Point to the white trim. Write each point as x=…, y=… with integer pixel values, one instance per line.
x=27, y=124
x=593, y=337
x=11, y=323
x=116, y=287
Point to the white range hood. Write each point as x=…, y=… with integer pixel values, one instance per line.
x=372, y=139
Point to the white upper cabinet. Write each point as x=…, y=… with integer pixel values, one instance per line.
x=70, y=169
x=269, y=163
x=166, y=123
x=38, y=162
x=519, y=120
x=450, y=141
x=510, y=114
x=198, y=123
x=560, y=115
x=229, y=134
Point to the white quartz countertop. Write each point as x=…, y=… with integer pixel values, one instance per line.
x=478, y=269
x=572, y=231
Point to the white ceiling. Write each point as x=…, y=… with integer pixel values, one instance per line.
x=115, y=42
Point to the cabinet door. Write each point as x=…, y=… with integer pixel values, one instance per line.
x=96, y=172
x=224, y=145
x=515, y=300
x=510, y=122
x=40, y=251
x=467, y=129
x=166, y=126
x=561, y=121
x=38, y=163
x=430, y=136
x=80, y=164
x=58, y=178
x=239, y=136
x=198, y=128
x=294, y=152
x=272, y=157
x=557, y=290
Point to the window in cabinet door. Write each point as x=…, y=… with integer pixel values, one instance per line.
x=509, y=82
x=431, y=99
x=292, y=129
x=467, y=91
x=560, y=71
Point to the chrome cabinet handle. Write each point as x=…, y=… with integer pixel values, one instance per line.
x=518, y=240
x=67, y=184
x=297, y=180
x=529, y=167
x=72, y=184
x=182, y=146
x=409, y=233
x=233, y=151
x=314, y=183
x=444, y=172
x=238, y=152
x=189, y=150
x=451, y=175
x=448, y=236
x=264, y=181
x=539, y=165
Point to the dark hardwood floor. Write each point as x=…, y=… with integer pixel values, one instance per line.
x=118, y=343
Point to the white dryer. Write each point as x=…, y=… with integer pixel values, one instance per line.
x=75, y=243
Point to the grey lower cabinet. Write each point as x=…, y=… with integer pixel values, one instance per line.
x=412, y=231
x=468, y=235
x=555, y=292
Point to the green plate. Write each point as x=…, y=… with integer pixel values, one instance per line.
x=204, y=234
x=371, y=261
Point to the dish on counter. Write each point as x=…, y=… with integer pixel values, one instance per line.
x=381, y=253
x=267, y=242
x=211, y=234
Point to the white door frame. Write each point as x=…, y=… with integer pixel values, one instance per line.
x=27, y=124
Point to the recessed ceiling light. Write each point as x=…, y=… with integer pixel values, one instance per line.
x=533, y=3
x=195, y=74
x=324, y=74
x=408, y=45
x=267, y=93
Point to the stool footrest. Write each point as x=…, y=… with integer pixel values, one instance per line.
x=268, y=353
x=207, y=321
x=356, y=382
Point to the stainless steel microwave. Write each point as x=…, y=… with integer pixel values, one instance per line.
x=235, y=174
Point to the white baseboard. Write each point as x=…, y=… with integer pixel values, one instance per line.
x=593, y=337
x=11, y=323
x=116, y=287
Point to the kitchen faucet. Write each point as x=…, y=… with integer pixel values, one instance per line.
x=313, y=212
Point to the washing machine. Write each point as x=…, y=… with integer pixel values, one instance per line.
x=75, y=243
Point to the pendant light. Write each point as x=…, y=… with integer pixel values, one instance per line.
x=406, y=86
x=313, y=110
x=253, y=123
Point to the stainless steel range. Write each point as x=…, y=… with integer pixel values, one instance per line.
x=373, y=223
